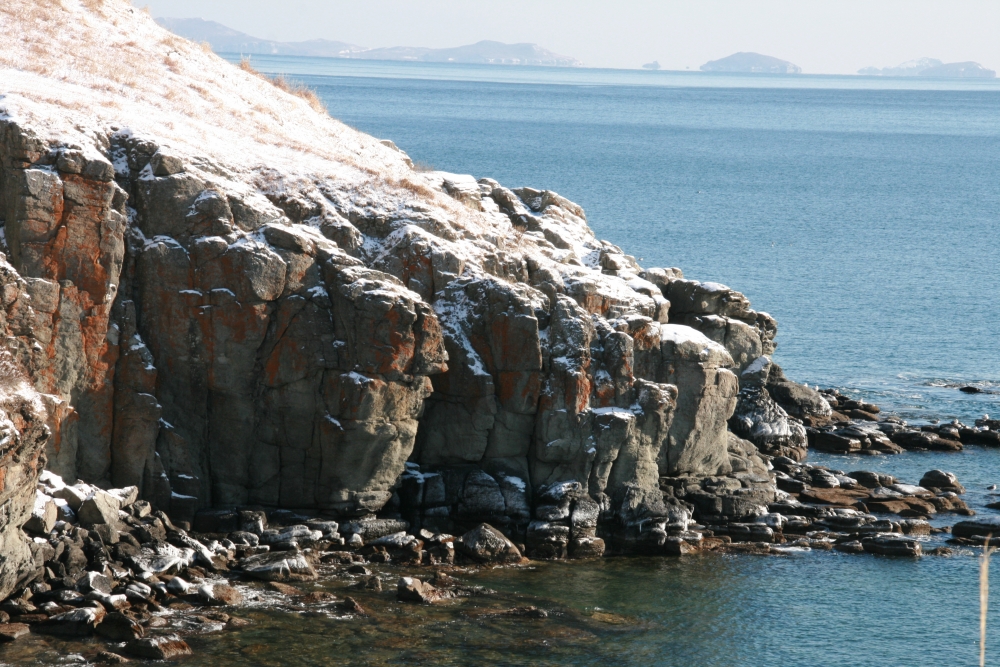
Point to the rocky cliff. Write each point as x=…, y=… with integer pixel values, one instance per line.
x=226, y=298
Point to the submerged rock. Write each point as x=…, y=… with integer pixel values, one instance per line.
x=158, y=648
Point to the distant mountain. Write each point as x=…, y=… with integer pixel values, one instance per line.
x=933, y=68
x=227, y=40
x=745, y=61
x=909, y=68
x=484, y=53
x=966, y=70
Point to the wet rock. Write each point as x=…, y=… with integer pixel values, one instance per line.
x=12, y=631
x=219, y=594
x=77, y=623
x=892, y=545
x=351, y=606
x=586, y=547
x=486, y=544
x=979, y=527
x=158, y=648
x=119, y=627
x=109, y=658
x=411, y=589
x=178, y=586
x=872, y=480
x=925, y=440
x=941, y=480
x=850, y=547
x=284, y=589
x=282, y=566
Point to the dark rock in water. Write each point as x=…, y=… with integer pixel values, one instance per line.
x=284, y=589
x=411, y=589
x=798, y=400
x=109, y=658
x=892, y=545
x=925, y=440
x=586, y=547
x=351, y=605
x=851, y=547
x=486, y=544
x=119, y=627
x=872, y=480
x=158, y=648
x=944, y=481
x=971, y=390
x=11, y=631
x=980, y=527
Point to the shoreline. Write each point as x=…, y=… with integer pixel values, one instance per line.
x=223, y=582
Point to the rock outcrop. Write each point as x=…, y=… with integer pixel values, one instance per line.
x=292, y=317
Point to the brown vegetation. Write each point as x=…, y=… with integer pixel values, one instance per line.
x=281, y=83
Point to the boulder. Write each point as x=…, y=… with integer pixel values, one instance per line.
x=486, y=544
x=43, y=515
x=944, y=481
x=119, y=627
x=279, y=566
x=979, y=527
x=411, y=589
x=760, y=420
x=219, y=594
x=12, y=631
x=99, y=507
x=76, y=623
x=163, y=647
x=892, y=545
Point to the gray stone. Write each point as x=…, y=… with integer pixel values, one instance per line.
x=281, y=566
x=486, y=544
x=163, y=164
x=99, y=507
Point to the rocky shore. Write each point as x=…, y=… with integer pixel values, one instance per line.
x=246, y=343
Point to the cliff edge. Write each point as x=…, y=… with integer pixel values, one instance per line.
x=228, y=298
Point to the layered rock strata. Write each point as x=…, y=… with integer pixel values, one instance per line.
x=293, y=317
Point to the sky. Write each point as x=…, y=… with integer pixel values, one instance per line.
x=820, y=36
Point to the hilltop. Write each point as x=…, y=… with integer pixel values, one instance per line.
x=747, y=62
x=227, y=40
x=933, y=68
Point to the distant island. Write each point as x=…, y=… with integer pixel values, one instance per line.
x=653, y=65
x=933, y=68
x=755, y=63
x=226, y=40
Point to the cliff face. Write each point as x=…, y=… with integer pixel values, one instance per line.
x=295, y=318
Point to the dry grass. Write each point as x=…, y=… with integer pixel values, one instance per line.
x=281, y=83
x=423, y=167
x=984, y=596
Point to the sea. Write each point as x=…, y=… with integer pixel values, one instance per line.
x=863, y=213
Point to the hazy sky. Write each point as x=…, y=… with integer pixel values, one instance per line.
x=828, y=36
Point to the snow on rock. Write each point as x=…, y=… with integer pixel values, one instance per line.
x=275, y=309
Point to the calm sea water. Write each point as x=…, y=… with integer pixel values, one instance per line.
x=861, y=213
